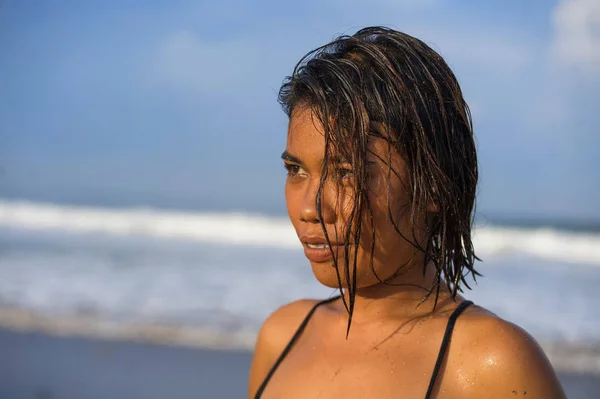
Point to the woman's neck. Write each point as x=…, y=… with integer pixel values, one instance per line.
x=412, y=294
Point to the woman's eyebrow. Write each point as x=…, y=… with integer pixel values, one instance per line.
x=286, y=156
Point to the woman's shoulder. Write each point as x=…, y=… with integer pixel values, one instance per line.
x=485, y=332
x=274, y=335
x=493, y=355
x=281, y=325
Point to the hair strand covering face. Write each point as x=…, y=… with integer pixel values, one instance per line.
x=379, y=77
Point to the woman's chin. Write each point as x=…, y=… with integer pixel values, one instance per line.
x=325, y=274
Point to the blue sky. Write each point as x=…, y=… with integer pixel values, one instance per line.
x=174, y=103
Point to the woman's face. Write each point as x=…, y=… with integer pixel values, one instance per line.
x=303, y=159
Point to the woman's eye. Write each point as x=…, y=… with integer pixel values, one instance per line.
x=345, y=173
x=292, y=170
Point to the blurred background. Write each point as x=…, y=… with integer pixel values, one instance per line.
x=141, y=189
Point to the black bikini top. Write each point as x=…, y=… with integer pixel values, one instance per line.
x=436, y=369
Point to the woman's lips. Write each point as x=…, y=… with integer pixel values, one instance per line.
x=319, y=253
x=317, y=249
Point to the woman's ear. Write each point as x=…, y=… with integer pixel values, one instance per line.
x=433, y=207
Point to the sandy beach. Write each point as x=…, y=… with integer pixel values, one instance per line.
x=40, y=366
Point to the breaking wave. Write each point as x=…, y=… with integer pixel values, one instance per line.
x=262, y=231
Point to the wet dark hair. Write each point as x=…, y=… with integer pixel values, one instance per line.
x=384, y=83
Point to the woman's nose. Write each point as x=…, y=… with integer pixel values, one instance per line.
x=315, y=198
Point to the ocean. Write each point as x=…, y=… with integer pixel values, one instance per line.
x=210, y=278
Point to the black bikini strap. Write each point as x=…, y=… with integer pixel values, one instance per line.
x=291, y=344
x=445, y=342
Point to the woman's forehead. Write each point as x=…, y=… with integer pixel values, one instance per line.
x=307, y=133
x=305, y=120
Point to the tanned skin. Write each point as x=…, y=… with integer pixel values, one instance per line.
x=395, y=336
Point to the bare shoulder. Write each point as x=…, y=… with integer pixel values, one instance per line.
x=274, y=335
x=498, y=359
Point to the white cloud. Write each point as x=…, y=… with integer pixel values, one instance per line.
x=577, y=34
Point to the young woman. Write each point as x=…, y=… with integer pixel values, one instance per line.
x=382, y=174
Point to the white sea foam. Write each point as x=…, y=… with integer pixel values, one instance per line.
x=545, y=243
x=231, y=228
x=253, y=230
